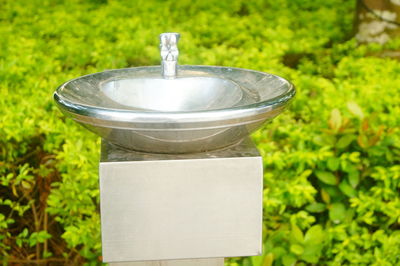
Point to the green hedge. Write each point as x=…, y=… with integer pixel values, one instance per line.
x=332, y=161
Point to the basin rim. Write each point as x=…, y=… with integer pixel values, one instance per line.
x=106, y=117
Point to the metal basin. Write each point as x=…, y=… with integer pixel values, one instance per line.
x=194, y=109
x=205, y=108
x=173, y=95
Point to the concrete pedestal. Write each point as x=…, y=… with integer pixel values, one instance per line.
x=167, y=208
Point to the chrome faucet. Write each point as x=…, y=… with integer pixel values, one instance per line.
x=169, y=54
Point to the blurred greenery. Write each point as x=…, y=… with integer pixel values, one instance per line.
x=332, y=161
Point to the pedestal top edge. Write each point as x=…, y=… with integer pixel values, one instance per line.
x=114, y=153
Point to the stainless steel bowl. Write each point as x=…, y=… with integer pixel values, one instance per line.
x=204, y=108
x=184, y=109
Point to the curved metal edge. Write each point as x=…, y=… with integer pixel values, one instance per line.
x=168, y=124
x=105, y=117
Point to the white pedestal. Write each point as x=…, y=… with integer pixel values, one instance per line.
x=171, y=207
x=194, y=262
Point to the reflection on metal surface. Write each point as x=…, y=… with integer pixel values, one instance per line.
x=113, y=153
x=174, y=95
x=202, y=108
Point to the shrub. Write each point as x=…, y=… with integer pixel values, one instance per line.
x=331, y=162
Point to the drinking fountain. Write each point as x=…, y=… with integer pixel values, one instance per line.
x=180, y=181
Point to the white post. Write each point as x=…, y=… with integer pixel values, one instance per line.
x=192, y=262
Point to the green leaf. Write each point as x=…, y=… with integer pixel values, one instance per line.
x=355, y=109
x=26, y=185
x=326, y=177
x=24, y=233
x=278, y=251
x=247, y=262
x=337, y=212
x=310, y=258
x=347, y=189
x=288, y=260
x=333, y=163
x=325, y=140
x=334, y=193
x=345, y=141
x=349, y=167
x=354, y=178
x=335, y=121
x=311, y=253
x=296, y=234
x=314, y=236
x=256, y=260
x=38, y=237
x=296, y=249
x=47, y=254
x=316, y=207
x=268, y=260
x=325, y=196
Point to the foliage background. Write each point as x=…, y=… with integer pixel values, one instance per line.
x=332, y=161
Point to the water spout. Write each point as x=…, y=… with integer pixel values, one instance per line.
x=169, y=54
